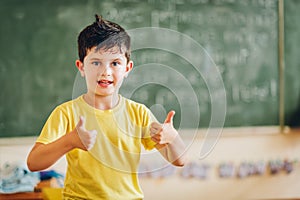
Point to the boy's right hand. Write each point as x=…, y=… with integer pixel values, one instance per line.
x=86, y=139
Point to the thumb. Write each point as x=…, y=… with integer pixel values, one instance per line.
x=170, y=116
x=81, y=122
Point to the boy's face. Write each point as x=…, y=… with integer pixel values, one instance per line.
x=104, y=70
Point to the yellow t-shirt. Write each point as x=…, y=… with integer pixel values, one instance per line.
x=109, y=169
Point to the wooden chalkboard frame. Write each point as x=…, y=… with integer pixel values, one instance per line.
x=281, y=63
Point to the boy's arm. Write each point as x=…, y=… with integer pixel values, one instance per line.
x=43, y=156
x=168, y=141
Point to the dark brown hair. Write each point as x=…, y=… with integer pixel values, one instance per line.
x=103, y=34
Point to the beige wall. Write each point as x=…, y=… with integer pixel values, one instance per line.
x=234, y=145
x=247, y=146
x=16, y=150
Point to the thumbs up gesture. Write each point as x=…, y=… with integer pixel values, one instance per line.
x=86, y=139
x=164, y=133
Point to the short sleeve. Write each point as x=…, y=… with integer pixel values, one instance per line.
x=55, y=126
x=147, y=142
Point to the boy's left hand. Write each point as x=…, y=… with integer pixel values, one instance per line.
x=164, y=133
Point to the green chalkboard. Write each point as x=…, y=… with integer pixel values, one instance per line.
x=292, y=63
x=206, y=55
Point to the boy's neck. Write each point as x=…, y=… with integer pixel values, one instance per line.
x=101, y=102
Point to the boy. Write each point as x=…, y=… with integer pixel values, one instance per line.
x=101, y=132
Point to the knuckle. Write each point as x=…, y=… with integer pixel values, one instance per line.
x=152, y=124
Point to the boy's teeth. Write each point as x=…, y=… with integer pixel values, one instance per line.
x=104, y=81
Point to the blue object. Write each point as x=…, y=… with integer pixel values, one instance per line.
x=46, y=175
x=16, y=177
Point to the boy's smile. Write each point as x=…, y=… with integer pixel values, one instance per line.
x=104, y=83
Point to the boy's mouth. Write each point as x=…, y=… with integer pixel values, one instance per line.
x=104, y=83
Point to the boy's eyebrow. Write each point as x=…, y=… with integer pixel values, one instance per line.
x=116, y=58
x=96, y=59
x=119, y=58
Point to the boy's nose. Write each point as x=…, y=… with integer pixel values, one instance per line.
x=106, y=71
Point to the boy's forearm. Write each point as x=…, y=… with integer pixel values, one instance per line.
x=43, y=156
x=174, y=152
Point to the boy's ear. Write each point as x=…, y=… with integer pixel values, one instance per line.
x=80, y=67
x=129, y=67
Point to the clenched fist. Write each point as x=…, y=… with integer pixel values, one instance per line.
x=164, y=133
x=87, y=138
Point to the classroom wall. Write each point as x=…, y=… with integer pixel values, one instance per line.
x=249, y=145
x=235, y=149
x=15, y=150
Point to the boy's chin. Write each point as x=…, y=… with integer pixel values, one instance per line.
x=105, y=94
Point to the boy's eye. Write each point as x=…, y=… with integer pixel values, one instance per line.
x=115, y=63
x=96, y=63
